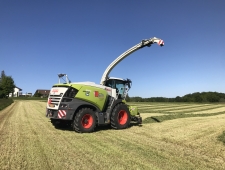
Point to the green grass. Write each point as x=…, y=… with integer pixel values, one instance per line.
x=222, y=137
x=30, y=98
x=154, y=119
x=29, y=141
x=179, y=111
x=5, y=102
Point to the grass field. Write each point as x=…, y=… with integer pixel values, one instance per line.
x=173, y=136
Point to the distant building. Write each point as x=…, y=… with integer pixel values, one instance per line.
x=29, y=94
x=17, y=92
x=41, y=93
x=26, y=95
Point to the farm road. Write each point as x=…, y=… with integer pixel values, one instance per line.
x=29, y=141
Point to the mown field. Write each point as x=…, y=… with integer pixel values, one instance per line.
x=173, y=136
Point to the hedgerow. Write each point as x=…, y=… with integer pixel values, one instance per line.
x=5, y=102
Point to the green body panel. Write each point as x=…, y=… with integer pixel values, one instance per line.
x=133, y=110
x=94, y=95
x=76, y=86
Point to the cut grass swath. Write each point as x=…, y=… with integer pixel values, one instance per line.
x=222, y=137
x=29, y=141
x=154, y=119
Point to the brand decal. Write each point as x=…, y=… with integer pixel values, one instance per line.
x=132, y=108
x=55, y=90
x=108, y=89
x=96, y=93
x=99, y=95
x=87, y=92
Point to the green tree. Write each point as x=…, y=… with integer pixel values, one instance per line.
x=178, y=99
x=127, y=98
x=3, y=74
x=6, y=86
x=197, y=97
x=212, y=97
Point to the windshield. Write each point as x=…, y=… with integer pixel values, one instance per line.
x=119, y=85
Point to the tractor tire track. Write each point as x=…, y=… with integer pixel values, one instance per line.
x=30, y=141
x=5, y=115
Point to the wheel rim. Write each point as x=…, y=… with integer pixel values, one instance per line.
x=87, y=121
x=122, y=117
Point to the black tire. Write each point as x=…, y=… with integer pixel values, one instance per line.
x=84, y=121
x=120, y=117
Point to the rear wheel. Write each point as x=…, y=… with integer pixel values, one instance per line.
x=84, y=121
x=120, y=118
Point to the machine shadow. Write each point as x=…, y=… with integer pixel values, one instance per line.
x=67, y=127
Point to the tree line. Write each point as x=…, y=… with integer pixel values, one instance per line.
x=6, y=85
x=202, y=97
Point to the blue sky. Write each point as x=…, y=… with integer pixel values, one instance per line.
x=39, y=39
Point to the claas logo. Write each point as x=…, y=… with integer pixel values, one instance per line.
x=55, y=90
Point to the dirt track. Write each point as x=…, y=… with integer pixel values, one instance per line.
x=29, y=141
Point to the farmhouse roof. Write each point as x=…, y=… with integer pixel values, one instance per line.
x=42, y=91
x=19, y=88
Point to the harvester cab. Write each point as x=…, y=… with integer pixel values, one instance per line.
x=122, y=86
x=85, y=105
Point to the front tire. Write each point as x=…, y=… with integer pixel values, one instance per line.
x=84, y=121
x=120, y=118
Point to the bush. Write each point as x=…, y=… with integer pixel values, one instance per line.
x=5, y=102
x=30, y=98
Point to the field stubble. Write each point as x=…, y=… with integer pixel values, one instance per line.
x=29, y=141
